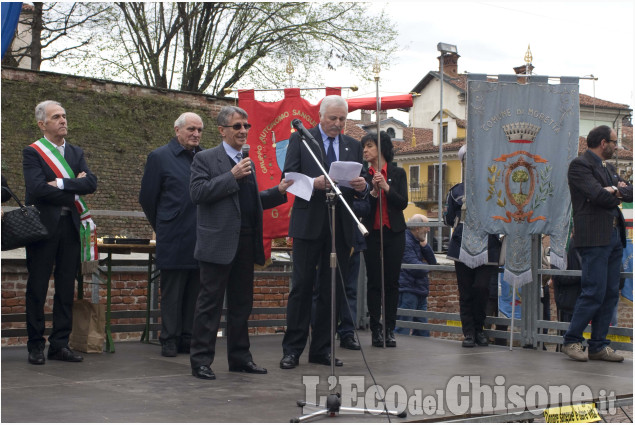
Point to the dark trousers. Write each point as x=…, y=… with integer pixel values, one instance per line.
x=62, y=250
x=473, y=294
x=238, y=279
x=348, y=305
x=601, y=266
x=179, y=291
x=394, y=244
x=309, y=256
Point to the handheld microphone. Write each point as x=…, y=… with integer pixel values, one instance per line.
x=245, y=150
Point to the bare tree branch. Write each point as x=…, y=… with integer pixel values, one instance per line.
x=208, y=46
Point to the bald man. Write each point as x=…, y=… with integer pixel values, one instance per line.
x=165, y=199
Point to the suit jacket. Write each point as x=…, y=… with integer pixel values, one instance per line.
x=308, y=217
x=49, y=200
x=165, y=199
x=592, y=205
x=214, y=190
x=397, y=199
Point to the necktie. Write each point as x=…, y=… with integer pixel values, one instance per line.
x=61, y=149
x=239, y=156
x=330, y=153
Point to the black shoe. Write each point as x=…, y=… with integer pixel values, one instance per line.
x=377, y=337
x=64, y=354
x=390, y=338
x=468, y=341
x=481, y=339
x=289, y=361
x=249, y=367
x=168, y=349
x=349, y=343
x=325, y=360
x=203, y=372
x=36, y=356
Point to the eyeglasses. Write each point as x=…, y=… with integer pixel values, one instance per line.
x=238, y=126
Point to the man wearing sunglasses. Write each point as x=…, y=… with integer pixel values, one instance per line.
x=229, y=242
x=600, y=235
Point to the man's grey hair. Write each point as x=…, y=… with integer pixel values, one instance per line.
x=418, y=218
x=332, y=100
x=227, y=112
x=181, y=120
x=40, y=109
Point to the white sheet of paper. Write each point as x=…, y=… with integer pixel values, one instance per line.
x=302, y=185
x=342, y=172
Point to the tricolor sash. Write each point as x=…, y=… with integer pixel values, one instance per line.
x=87, y=228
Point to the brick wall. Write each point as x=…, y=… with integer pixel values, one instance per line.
x=443, y=297
x=128, y=293
x=116, y=125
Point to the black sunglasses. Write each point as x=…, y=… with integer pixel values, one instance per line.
x=238, y=126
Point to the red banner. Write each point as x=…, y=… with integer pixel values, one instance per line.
x=268, y=139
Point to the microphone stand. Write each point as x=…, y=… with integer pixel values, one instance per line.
x=381, y=212
x=333, y=400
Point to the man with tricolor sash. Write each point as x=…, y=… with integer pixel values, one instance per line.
x=56, y=175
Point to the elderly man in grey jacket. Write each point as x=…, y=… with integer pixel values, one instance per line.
x=229, y=242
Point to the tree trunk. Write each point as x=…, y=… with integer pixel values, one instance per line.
x=36, y=34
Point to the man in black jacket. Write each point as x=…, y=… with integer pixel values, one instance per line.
x=600, y=235
x=309, y=228
x=55, y=174
x=165, y=199
x=473, y=283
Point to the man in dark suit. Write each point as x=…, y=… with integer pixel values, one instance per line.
x=309, y=227
x=166, y=201
x=55, y=173
x=229, y=229
x=600, y=235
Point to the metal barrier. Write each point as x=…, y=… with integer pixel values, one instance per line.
x=530, y=326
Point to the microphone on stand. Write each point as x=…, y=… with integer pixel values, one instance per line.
x=245, y=150
x=297, y=124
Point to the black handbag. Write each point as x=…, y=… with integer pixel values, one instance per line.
x=22, y=226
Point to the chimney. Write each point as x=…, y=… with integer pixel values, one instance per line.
x=450, y=64
x=383, y=115
x=522, y=70
x=365, y=116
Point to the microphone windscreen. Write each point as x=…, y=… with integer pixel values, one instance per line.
x=245, y=150
x=297, y=124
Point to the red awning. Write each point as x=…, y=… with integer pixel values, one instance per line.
x=387, y=102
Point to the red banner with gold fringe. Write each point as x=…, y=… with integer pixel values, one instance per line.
x=268, y=139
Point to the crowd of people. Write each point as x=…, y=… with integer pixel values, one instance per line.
x=207, y=213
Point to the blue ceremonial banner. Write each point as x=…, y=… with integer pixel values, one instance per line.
x=520, y=141
x=10, y=17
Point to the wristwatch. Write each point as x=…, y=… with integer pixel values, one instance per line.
x=617, y=192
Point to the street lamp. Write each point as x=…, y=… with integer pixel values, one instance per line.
x=444, y=48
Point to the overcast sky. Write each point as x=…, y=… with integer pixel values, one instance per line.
x=567, y=38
